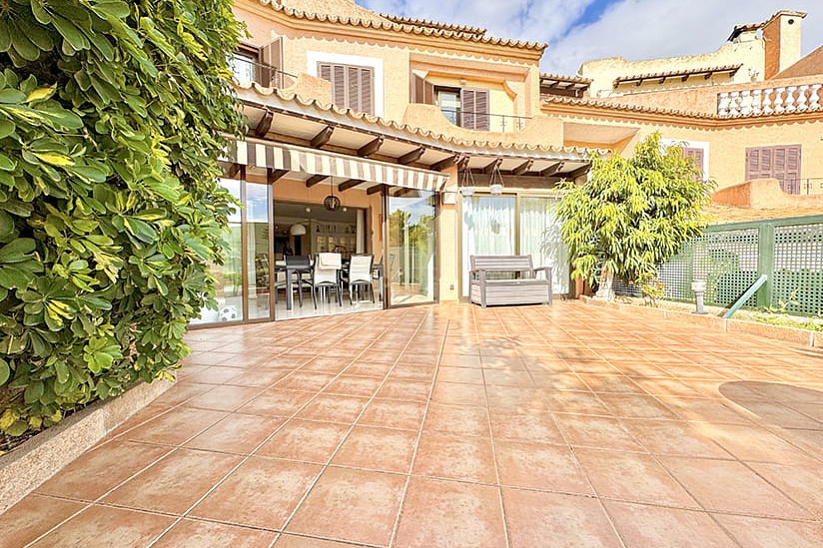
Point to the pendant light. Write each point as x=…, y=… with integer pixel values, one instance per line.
x=496, y=181
x=466, y=179
x=332, y=202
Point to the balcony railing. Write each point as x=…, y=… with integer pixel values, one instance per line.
x=776, y=100
x=245, y=70
x=484, y=121
x=812, y=186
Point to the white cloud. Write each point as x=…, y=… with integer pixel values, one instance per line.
x=634, y=29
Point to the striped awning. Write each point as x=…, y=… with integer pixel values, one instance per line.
x=280, y=156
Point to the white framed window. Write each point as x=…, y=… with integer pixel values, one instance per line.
x=699, y=150
x=318, y=59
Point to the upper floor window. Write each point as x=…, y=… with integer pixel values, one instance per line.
x=464, y=107
x=243, y=64
x=352, y=86
x=696, y=154
x=262, y=65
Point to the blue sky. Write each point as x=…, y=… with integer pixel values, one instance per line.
x=579, y=30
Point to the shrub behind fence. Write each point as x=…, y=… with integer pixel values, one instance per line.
x=730, y=258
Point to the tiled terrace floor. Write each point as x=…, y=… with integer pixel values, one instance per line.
x=455, y=426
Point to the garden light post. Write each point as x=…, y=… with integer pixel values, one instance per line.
x=699, y=288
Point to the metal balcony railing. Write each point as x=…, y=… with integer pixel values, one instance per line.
x=775, y=100
x=484, y=121
x=246, y=70
x=812, y=186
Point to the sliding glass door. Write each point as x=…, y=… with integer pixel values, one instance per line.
x=540, y=238
x=488, y=229
x=411, y=247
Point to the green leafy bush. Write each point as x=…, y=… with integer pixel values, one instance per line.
x=633, y=214
x=109, y=207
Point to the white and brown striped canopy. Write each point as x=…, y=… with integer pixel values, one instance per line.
x=280, y=156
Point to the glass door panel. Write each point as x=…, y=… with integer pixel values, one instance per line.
x=258, y=260
x=540, y=238
x=411, y=247
x=229, y=275
x=488, y=229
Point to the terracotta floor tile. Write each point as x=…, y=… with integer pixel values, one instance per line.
x=181, y=391
x=667, y=437
x=224, y=398
x=259, y=377
x=353, y=386
x=305, y=440
x=728, y=486
x=176, y=426
x=277, y=402
x=751, y=443
x=260, y=493
x=575, y=401
x=33, y=516
x=459, y=420
x=758, y=532
x=455, y=457
x=642, y=525
x=108, y=527
x=540, y=466
x=214, y=374
x=508, y=399
x=461, y=360
x=704, y=409
x=377, y=449
x=191, y=533
x=369, y=369
x=804, y=484
x=308, y=380
x=611, y=383
x=174, y=483
x=351, y=505
x=632, y=476
x=636, y=406
x=326, y=364
x=466, y=375
x=501, y=377
x=237, y=433
x=412, y=373
x=295, y=541
x=405, y=390
x=333, y=407
x=101, y=469
x=394, y=414
x=530, y=426
x=591, y=431
x=439, y=513
x=536, y=518
x=459, y=394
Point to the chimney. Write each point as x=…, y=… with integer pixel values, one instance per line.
x=781, y=33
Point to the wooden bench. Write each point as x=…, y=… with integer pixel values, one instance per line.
x=522, y=286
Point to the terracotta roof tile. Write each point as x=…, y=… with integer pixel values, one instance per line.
x=433, y=24
x=674, y=73
x=370, y=119
x=384, y=24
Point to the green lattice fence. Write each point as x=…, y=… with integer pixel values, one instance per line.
x=730, y=258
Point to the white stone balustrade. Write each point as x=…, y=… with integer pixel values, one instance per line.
x=758, y=102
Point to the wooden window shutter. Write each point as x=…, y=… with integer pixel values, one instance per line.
x=353, y=89
x=367, y=90
x=338, y=82
x=792, y=170
x=422, y=91
x=271, y=57
x=467, y=108
x=775, y=162
x=696, y=154
x=481, y=109
x=752, y=163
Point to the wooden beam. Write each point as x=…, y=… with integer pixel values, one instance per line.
x=495, y=164
x=376, y=189
x=351, y=183
x=523, y=168
x=274, y=175
x=233, y=170
x=264, y=125
x=551, y=170
x=320, y=140
x=412, y=156
x=445, y=163
x=370, y=148
x=572, y=175
x=315, y=180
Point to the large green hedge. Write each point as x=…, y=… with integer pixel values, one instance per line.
x=109, y=207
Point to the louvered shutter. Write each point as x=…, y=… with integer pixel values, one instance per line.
x=338, y=82
x=752, y=163
x=422, y=91
x=481, y=109
x=353, y=89
x=778, y=162
x=792, y=170
x=696, y=154
x=367, y=90
x=779, y=167
x=467, y=108
x=271, y=57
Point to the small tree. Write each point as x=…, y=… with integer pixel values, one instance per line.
x=632, y=214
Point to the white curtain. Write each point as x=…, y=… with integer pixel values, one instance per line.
x=540, y=238
x=488, y=229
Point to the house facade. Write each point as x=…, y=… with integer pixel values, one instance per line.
x=421, y=143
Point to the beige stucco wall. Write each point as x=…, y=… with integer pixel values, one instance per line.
x=604, y=71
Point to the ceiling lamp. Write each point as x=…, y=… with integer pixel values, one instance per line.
x=332, y=202
x=297, y=230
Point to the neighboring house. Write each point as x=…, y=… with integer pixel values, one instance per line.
x=423, y=143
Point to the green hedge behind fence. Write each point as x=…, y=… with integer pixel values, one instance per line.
x=730, y=258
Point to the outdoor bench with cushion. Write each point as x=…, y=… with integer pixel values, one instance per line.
x=508, y=279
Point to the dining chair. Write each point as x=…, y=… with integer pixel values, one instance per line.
x=326, y=275
x=360, y=275
x=297, y=265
